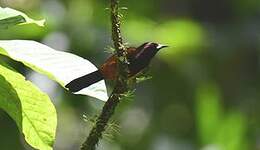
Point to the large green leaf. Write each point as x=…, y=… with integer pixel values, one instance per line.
x=10, y=17
x=60, y=66
x=31, y=109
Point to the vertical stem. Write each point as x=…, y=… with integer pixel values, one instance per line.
x=118, y=44
x=101, y=123
x=115, y=20
x=121, y=83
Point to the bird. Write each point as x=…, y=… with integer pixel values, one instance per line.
x=138, y=59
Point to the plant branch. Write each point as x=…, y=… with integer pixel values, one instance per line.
x=121, y=83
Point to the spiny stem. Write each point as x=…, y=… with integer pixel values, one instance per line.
x=121, y=83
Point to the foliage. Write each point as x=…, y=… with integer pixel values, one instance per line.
x=31, y=109
x=165, y=113
x=216, y=130
x=10, y=17
x=60, y=66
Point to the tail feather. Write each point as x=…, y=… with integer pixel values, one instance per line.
x=84, y=81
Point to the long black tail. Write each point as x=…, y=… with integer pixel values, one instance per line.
x=84, y=81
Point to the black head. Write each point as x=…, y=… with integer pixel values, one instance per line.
x=154, y=46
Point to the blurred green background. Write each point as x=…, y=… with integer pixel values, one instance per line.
x=204, y=93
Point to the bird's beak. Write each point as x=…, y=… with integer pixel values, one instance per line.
x=160, y=46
